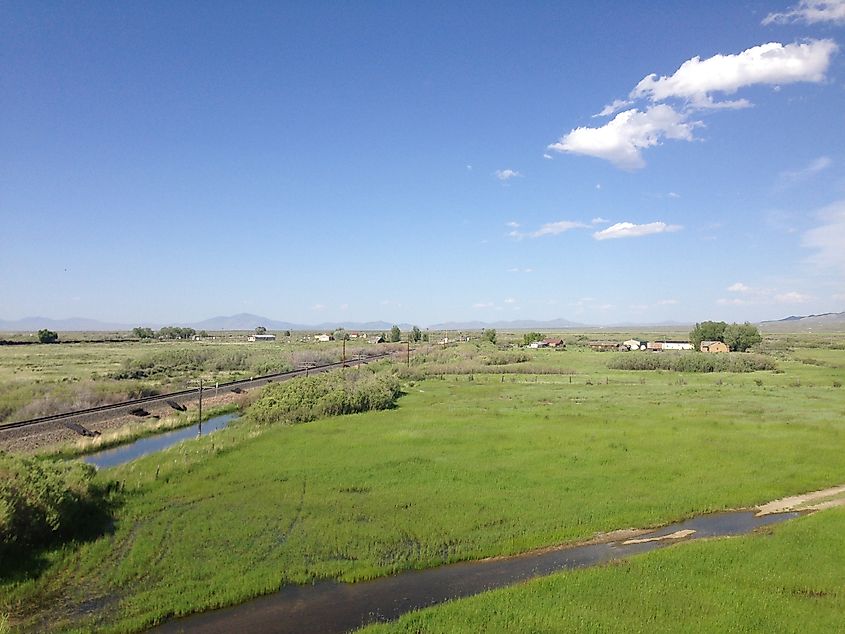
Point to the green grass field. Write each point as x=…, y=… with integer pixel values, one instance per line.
x=467, y=466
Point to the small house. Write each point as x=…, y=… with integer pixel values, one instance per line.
x=376, y=339
x=560, y=344
x=536, y=345
x=323, y=337
x=669, y=345
x=264, y=337
x=604, y=346
x=714, y=346
x=677, y=345
x=634, y=344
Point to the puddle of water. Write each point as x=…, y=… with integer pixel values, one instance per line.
x=331, y=607
x=124, y=453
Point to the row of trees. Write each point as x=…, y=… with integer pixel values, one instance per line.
x=167, y=332
x=739, y=337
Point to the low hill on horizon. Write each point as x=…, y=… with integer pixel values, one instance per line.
x=824, y=322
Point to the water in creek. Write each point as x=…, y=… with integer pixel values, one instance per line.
x=143, y=446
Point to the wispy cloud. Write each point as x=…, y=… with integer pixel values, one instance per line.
x=483, y=305
x=555, y=228
x=739, y=287
x=506, y=174
x=598, y=220
x=810, y=12
x=814, y=167
x=318, y=307
x=510, y=300
x=745, y=295
x=667, y=302
x=548, y=229
x=793, y=297
x=512, y=224
x=828, y=239
x=613, y=107
x=631, y=230
x=516, y=269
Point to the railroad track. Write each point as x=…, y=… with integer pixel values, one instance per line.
x=71, y=419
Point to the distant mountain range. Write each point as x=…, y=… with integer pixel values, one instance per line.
x=826, y=322
x=242, y=321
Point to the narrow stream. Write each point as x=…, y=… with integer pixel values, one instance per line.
x=143, y=446
x=332, y=607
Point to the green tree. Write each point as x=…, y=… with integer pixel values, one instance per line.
x=341, y=335
x=531, y=337
x=489, y=334
x=741, y=337
x=172, y=332
x=260, y=330
x=287, y=333
x=47, y=336
x=395, y=334
x=143, y=333
x=416, y=334
x=707, y=331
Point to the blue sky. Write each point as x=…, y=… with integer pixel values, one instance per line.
x=603, y=162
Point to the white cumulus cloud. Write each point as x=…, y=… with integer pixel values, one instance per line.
x=621, y=139
x=631, y=230
x=810, y=12
x=773, y=63
x=696, y=83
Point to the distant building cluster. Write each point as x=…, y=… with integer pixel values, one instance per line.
x=656, y=346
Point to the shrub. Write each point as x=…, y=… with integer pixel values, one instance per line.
x=506, y=358
x=329, y=394
x=42, y=501
x=692, y=362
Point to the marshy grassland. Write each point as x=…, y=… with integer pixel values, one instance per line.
x=548, y=447
x=38, y=380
